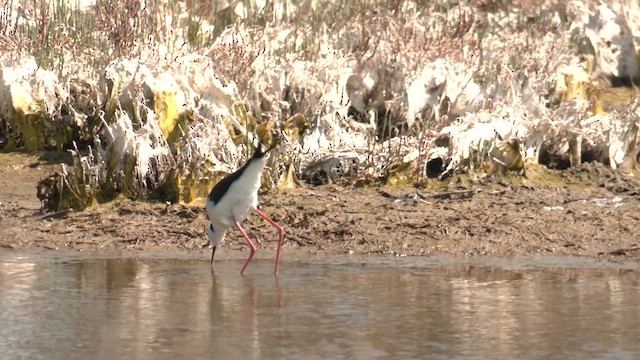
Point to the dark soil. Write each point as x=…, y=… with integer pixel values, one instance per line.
x=585, y=211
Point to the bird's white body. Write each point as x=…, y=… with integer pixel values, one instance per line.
x=233, y=199
x=240, y=200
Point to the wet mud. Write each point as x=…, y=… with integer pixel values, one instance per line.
x=587, y=211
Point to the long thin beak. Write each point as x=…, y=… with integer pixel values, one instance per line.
x=213, y=252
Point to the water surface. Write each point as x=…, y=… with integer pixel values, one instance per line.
x=164, y=308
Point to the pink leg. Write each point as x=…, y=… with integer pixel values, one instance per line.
x=253, y=247
x=280, y=240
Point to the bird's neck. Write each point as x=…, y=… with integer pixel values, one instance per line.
x=252, y=174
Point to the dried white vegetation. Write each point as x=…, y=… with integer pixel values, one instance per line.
x=475, y=86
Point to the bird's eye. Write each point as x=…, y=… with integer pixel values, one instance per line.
x=211, y=227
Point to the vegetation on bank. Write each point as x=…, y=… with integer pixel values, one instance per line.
x=110, y=84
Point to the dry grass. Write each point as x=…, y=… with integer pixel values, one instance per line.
x=499, y=42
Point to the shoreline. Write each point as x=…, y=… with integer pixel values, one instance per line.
x=514, y=222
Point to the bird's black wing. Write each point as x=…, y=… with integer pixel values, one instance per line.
x=223, y=185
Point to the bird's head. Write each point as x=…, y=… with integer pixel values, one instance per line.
x=215, y=237
x=261, y=150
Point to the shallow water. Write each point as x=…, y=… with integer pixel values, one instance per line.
x=163, y=308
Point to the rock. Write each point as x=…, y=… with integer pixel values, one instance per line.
x=338, y=168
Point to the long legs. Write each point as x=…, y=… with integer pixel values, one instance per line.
x=280, y=240
x=253, y=247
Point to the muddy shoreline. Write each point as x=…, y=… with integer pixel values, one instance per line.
x=585, y=212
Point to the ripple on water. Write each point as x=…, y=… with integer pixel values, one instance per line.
x=345, y=307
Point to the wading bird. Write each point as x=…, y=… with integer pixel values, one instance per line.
x=233, y=199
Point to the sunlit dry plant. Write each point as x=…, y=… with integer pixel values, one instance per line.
x=122, y=21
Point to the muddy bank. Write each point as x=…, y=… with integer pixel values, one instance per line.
x=584, y=211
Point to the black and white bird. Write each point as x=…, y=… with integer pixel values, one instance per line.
x=233, y=199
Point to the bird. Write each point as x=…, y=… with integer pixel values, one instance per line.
x=233, y=199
